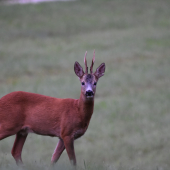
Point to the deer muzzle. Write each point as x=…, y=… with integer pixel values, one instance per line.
x=89, y=93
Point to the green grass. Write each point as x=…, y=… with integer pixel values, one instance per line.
x=130, y=126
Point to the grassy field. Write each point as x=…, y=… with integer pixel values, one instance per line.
x=130, y=127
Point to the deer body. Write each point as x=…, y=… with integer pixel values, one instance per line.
x=37, y=113
x=68, y=119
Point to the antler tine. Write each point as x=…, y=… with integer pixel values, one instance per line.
x=85, y=62
x=91, y=68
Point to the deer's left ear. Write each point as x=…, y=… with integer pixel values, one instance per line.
x=100, y=71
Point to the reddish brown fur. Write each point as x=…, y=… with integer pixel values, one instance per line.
x=68, y=119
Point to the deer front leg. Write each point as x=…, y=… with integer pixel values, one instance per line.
x=69, y=145
x=58, y=151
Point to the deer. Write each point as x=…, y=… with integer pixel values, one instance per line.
x=68, y=119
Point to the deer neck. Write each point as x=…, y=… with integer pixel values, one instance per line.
x=86, y=108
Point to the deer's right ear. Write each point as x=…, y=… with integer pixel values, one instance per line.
x=78, y=70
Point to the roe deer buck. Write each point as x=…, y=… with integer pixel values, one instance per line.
x=24, y=112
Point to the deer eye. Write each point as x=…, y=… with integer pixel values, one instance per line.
x=83, y=83
x=95, y=83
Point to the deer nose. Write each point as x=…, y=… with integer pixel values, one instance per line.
x=89, y=93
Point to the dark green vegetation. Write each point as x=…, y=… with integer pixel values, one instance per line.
x=130, y=127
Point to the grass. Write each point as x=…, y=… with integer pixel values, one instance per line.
x=130, y=125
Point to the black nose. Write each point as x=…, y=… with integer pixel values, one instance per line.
x=89, y=93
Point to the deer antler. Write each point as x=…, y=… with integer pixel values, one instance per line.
x=91, y=67
x=85, y=62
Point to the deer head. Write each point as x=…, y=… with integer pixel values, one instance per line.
x=89, y=80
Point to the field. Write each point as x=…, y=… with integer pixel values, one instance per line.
x=130, y=126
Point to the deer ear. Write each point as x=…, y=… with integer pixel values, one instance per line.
x=100, y=71
x=78, y=69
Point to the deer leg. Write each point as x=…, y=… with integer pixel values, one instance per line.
x=17, y=147
x=58, y=151
x=69, y=144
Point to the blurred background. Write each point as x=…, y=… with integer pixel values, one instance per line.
x=130, y=126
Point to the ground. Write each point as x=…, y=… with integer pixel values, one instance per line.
x=130, y=125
